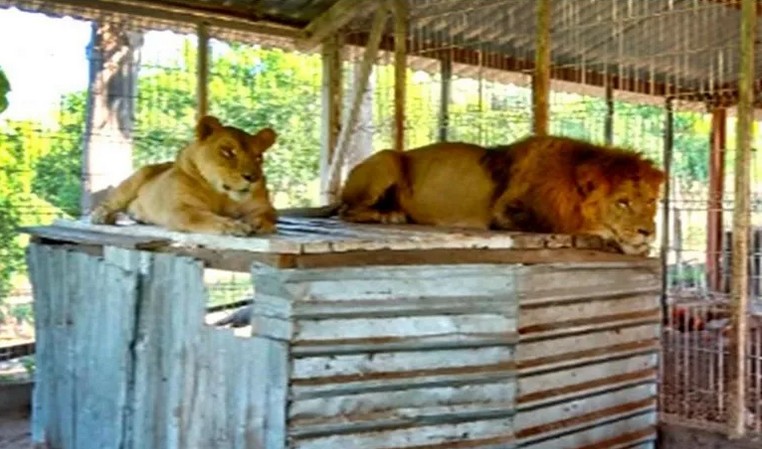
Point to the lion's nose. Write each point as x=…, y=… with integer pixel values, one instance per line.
x=248, y=177
x=644, y=232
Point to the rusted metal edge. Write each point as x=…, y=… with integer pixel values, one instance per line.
x=587, y=421
x=545, y=397
x=494, y=413
x=593, y=324
x=504, y=367
x=396, y=344
x=548, y=299
x=333, y=390
x=568, y=360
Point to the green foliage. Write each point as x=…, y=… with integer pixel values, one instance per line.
x=5, y=87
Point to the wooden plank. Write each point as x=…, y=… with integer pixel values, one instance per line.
x=169, y=320
x=329, y=22
x=541, y=75
x=87, y=236
x=202, y=71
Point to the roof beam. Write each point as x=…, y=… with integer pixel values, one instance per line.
x=735, y=4
x=338, y=15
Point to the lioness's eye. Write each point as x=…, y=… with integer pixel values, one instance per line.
x=623, y=203
x=227, y=152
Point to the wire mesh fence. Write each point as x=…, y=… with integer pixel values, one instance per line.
x=616, y=68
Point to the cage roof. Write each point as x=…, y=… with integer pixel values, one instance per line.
x=688, y=49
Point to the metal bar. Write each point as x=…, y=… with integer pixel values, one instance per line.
x=739, y=287
x=202, y=79
x=444, y=103
x=669, y=127
x=332, y=95
x=541, y=78
x=716, y=183
x=400, y=8
x=609, y=119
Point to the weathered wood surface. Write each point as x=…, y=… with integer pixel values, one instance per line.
x=587, y=356
x=124, y=360
x=321, y=236
x=394, y=357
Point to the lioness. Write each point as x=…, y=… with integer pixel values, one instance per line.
x=215, y=185
x=537, y=184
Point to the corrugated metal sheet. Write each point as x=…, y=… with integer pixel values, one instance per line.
x=399, y=357
x=588, y=355
x=687, y=43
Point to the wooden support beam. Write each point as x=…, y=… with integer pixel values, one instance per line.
x=444, y=98
x=608, y=130
x=714, y=206
x=369, y=59
x=739, y=285
x=541, y=76
x=328, y=23
x=400, y=9
x=202, y=67
x=332, y=97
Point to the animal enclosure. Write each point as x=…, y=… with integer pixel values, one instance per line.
x=659, y=76
x=361, y=337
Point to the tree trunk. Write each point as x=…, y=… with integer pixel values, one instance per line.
x=114, y=54
x=361, y=142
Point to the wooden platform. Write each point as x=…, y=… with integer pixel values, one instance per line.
x=314, y=243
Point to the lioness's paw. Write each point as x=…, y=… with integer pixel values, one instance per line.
x=235, y=228
x=395, y=217
x=101, y=215
x=266, y=227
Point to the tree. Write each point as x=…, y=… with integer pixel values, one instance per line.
x=107, y=153
x=5, y=87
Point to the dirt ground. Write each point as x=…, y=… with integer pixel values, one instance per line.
x=14, y=432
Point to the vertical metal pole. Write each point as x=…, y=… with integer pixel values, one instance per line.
x=202, y=78
x=669, y=141
x=739, y=288
x=400, y=10
x=541, y=78
x=444, y=105
x=609, y=120
x=714, y=206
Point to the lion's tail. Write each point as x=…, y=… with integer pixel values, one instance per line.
x=327, y=211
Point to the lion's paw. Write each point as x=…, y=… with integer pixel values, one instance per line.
x=235, y=228
x=102, y=215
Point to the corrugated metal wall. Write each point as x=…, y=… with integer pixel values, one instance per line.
x=588, y=355
x=396, y=357
x=351, y=358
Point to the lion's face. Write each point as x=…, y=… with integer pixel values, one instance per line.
x=628, y=216
x=230, y=159
x=625, y=208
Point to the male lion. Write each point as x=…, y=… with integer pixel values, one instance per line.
x=537, y=184
x=215, y=185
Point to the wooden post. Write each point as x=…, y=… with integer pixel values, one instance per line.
x=202, y=78
x=739, y=286
x=332, y=96
x=400, y=8
x=444, y=98
x=669, y=143
x=541, y=78
x=714, y=206
x=609, y=119
x=369, y=58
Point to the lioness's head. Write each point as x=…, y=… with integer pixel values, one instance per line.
x=621, y=196
x=228, y=158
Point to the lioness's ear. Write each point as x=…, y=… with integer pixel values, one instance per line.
x=588, y=179
x=206, y=126
x=265, y=138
